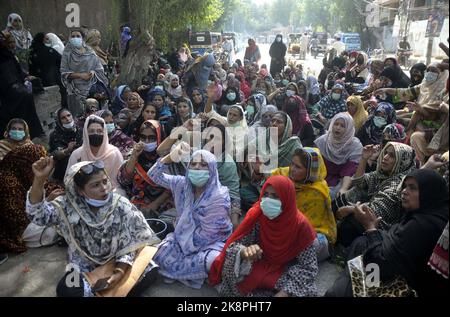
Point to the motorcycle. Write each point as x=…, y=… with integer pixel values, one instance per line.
x=403, y=57
x=315, y=51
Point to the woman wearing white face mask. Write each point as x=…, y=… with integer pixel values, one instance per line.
x=271, y=253
x=107, y=236
x=80, y=70
x=372, y=131
x=424, y=99
x=331, y=104
x=203, y=222
x=143, y=192
x=63, y=141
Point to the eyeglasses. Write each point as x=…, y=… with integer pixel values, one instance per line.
x=91, y=167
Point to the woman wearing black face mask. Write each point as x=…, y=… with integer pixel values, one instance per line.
x=96, y=147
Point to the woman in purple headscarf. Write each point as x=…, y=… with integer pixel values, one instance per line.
x=203, y=223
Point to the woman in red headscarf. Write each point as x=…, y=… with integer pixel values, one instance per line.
x=142, y=191
x=271, y=253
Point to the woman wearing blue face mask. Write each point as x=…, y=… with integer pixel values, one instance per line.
x=16, y=134
x=107, y=235
x=372, y=131
x=143, y=192
x=271, y=253
x=116, y=136
x=80, y=70
x=203, y=222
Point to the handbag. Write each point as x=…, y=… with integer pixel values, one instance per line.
x=397, y=287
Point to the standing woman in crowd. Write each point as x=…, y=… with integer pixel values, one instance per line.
x=53, y=41
x=66, y=138
x=44, y=62
x=80, y=70
x=271, y=253
x=16, y=100
x=277, y=54
x=22, y=38
x=93, y=39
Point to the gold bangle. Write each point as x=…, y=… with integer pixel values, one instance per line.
x=118, y=269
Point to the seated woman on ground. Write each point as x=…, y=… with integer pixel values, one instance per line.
x=287, y=143
x=308, y=171
x=66, y=138
x=116, y=136
x=148, y=197
x=423, y=100
x=107, y=236
x=16, y=134
x=330, y=105
x=96, y=147
x=203, y=222
x=403, y=250
x=272, y=252
x=393, y=132
x=378, y=190
x=341, y=152
x=372, y=131
x=16, y=232
x=120, y=101
x=184, y=111
x=128, y=115
x=356, y=109
x=91, y=107
x=149, y=112
x=295, y=107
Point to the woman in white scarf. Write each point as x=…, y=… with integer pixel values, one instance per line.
x=21, y=35
x=54, y=41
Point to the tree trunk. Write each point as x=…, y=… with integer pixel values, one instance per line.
x=142, y=15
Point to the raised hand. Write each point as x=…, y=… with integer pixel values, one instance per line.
x=368, y=151
x=43, y=167
x=138, y=148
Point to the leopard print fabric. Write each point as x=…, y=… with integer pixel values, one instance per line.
x=397, y=287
